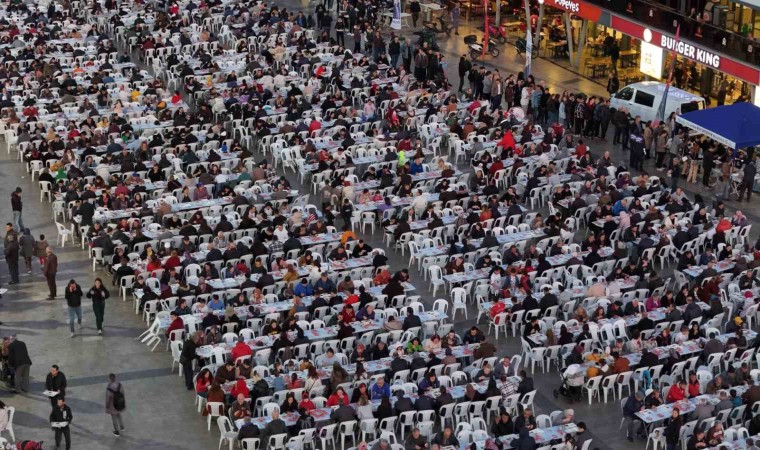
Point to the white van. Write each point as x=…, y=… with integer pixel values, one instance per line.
x=643, y=99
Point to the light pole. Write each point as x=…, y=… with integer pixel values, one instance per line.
x=485, y=22
x=539, y=25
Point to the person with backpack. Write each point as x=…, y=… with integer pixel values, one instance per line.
x=115, y=403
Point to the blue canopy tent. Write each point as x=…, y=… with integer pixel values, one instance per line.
x=737, y=125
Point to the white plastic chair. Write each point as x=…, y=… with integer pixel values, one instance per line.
x=228, y=435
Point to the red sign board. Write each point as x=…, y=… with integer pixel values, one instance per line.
x=578, y=8
x=709, y=58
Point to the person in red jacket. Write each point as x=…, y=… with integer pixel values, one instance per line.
x=306, y=403
x=723, y=226
x=497, y=308
x=339, y=397
x=507, y=141
x=176, y=324
x=172, y=261
x=241, y=349
x=349, y=314
x=694, y=386
x=677, y=392
x=314, y=125
x=240, y=388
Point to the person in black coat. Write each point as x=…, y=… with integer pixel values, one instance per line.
x=87, y=212
x=526, y=383
x=265, y=280
x=11, y=257
x=525, y=422
x=425, y=403
x=530, y=303
x=411, y=320
x=543, y=266
x=61, y=414
x=98, y=293
x=393, y=288
x=648, y=359
x=398, y=364
x=248, y=430
x=592, y=258
x=186, y=359
x=673, y=429
x=56, y=381
x=19, y=361
x=73, y=297
x=403, y=404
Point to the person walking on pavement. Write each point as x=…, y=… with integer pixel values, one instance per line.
x=613, y=83
x=748, y=179
x=60, y=419
x=73, y=297
x=56, y=381
x=464, y=66
x=455, y=12
x=27, y=245
x=415, y=8
x=40, y=249
x=115, y=403
x=19, y=361
x=50, y=269
x=98, y=293
x=16, y=205
x=11, y=257
x=9, y=231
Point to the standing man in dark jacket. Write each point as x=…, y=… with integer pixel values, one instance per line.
x=633, y=405
x=415, y=8
x=186, y=358
x=620, y=120
x=708, y=158
x=394, y=50
x=16, y=205
x=11, y=257
x=18, y=360
x=637, y=149
x=50, y=269
x=464, y=66
x=602, y=114
x=61, y=416
x=73, y=297
x=56, y=381
x=748, y=179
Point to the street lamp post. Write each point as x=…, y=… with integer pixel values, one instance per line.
x=485, y=22
x=539, y=24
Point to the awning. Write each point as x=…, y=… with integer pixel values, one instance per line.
x=737, y=125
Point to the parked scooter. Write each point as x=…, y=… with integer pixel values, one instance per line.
x=476, y=48
x=499, y=33
x=521, y=44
